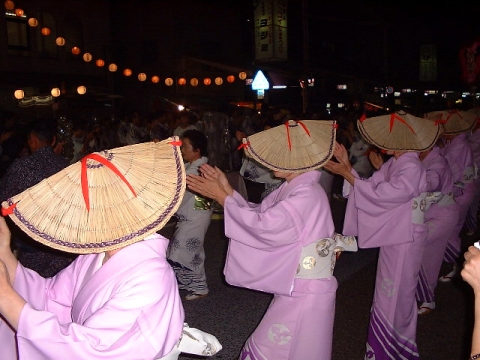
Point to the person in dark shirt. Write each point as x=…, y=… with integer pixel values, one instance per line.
x=12, y=141
x=24, y=173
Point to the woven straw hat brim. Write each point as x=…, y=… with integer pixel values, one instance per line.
x=54, y=212
x=475, y=111
x=400, y=132
x=296, y=146
x=454, y=121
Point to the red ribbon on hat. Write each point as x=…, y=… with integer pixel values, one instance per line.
x=243, y=145
x=84, y=178
x=440, y=122
x=395, y=116
x=288, y=132
x=9, y=210
x=176, y=142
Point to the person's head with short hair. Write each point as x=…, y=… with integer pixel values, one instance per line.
x=40, y=133
x=184, y=119
x=194, y=145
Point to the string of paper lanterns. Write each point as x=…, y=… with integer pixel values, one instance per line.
x=112, y=67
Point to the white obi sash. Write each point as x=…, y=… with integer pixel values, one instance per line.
x=440, y=198
x=420, y=205
x=317, y=259
x=468, y=176
x=194, y=341
x=447, y=200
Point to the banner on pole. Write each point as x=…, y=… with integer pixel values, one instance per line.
x=270, y=18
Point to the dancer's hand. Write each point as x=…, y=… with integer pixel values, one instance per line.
x=208, y=187
x=376, y=159
x=471, y=268
x=5, y=235
x=214, y=173
x=340, y=152
x=11, y=303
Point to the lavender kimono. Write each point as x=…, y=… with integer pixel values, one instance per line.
x=379, y=211
x=128, y=308
x=265, y=250
x=460, y=158
x=186, y=251
x=441, y=218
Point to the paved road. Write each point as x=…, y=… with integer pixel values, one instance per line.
x=232, y=313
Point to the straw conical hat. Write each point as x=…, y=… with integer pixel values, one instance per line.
x=454, y=121
x=476, y=111
x=106, y=201
x=400, y=131
x=296, y=146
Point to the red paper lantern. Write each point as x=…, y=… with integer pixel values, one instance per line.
x=33, y=22
x=127, y=72
x=87, y=57
x=19, y=94
x=60, y=41
x=55, y=92
x=155, y=79
x=100, y=63
x=207, y=81
x=9, y=5
x=75, y=50
x=230, y=78
x=45, y=31
x=182, y=81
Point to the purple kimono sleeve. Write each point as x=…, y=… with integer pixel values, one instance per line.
x=259, y=227
x=379, y=211
x=384, y=192
x=264, y=246
x=434, y=176
x=242, y=202
x=33, y=288
x=459, y=155
x=131, y=312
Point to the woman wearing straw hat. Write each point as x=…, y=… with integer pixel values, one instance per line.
x=286, y=244
x=119, y=299
x=386, y=211
x=458, y=153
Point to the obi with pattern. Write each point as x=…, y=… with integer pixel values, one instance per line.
x=420, y=205
x=317, y=260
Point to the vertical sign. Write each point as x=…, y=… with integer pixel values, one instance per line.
x=280, y=29
x=428, y=63
x=470, y=61
x=270, y=18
